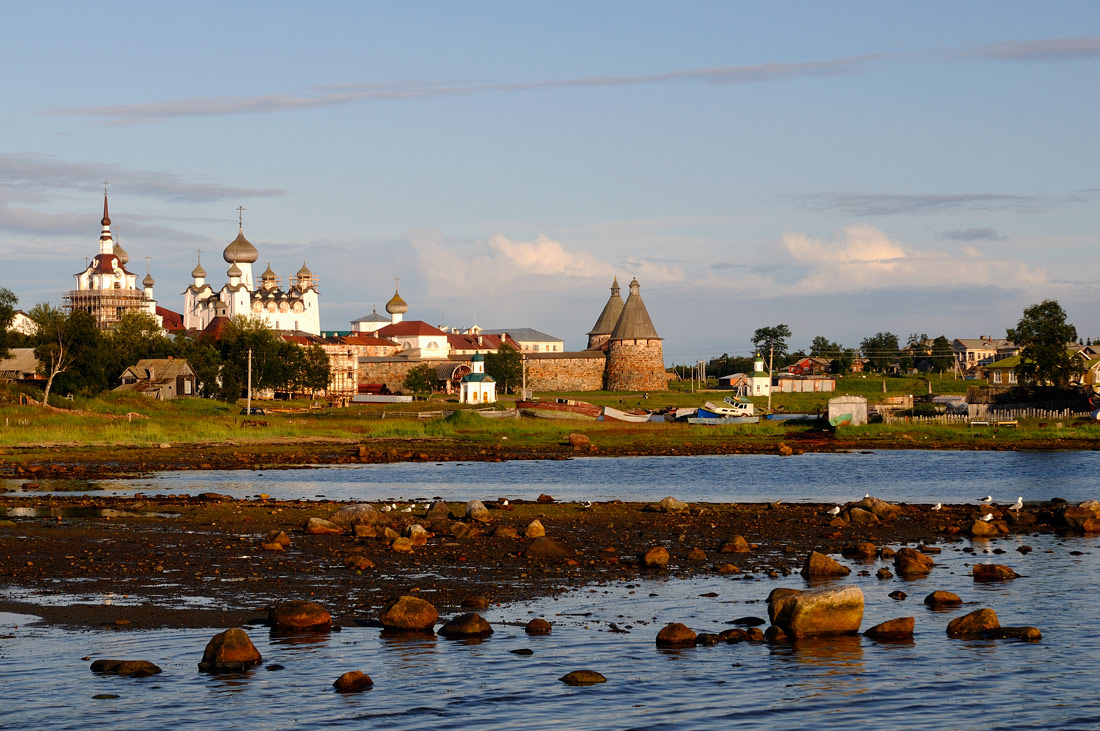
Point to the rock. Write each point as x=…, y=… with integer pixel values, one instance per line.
x=886, y=553
x=538, y=627
x=462, y=530
x=477, y=512
x=777, y=599
x=579, y=440
x=655, y=558
x=898, y=596
x=278, y=536
x=466, y=625
x=707, y=639
x=476, y=602
x=272, y=547
x=820, y=613
x=582, y=677
x=859, y=516
x=321, y=527
x=358, y=563
x=352, y=515
x=675, y=634
x=352, y=681
x=893, y=629
x=879, y=508
x=402, y=545
x=672, y=505
x=983, y=529
x=439, y=511
x=214, y=497
x=130, y=668
x=820, y=566
x=547, y=548
x=696, y=554
x=754, y=634
x=389, y=535
x=544, y=498
x=728, y=568
x=838, y=522
x=943, y=599
x=299, y=615
x=737, y=544
x=775, y=636
x=973, y=624
x=417, y=534
x=911, y=562
x=1028, y=634
x=229, y=651
x=862, y=549
x=364, y=531
x=505, y=531
x=534, y=529
x=884, y=574
x=993, y=572
x=733, y=636
x=409, y=614
x=785, y=450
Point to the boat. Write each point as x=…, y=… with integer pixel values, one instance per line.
x=497, y=413
x=791, y=417
x=840, y=420
x=681, y=414
x=559, y=409
x=632, y=417
x=731, y=407
x=723, y=420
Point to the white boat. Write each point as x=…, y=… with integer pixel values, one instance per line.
x=732, y=407
x=612, y=414
x=724, y=420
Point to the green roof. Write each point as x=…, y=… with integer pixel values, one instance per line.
x=477, y=378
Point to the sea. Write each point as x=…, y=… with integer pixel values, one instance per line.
x=511, y=680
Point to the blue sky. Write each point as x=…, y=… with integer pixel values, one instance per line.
x=843, y=168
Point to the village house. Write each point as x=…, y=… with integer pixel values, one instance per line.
x=21, y=367
x=972, y=354
x=21, y=322
x=810, y=366
x=1003, y=372
x=530, y=340
x=159, y=378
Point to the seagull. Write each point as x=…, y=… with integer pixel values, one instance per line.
x=987, y=499
x=987, y=517
x=835, y=510
x=866, y=495
x=586, y=504
x=504, y=501
x=386, y=508
x=408, y=509
x=1018, y=505
x=938, y=506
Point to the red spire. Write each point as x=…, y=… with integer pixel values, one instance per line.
x=106, y=219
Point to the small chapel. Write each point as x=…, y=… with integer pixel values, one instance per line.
x=293, y=308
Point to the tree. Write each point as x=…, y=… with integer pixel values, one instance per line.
x=881, y=349
x=421, y=379
x=8, y=301
x=842, y=363
x=1042, y=335
x=943, y=358
x=205, y=360
x=316, y=371
x=822, y=347
x=137, y=335
x=63, y=342
x=767, y=338
x=506, y=368
x=241, y=335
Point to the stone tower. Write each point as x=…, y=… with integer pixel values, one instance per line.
x=635, y=358
x=601, y=331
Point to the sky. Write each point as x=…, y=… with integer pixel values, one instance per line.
x=844, y=168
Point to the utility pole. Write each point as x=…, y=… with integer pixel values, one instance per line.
x=771, y=365
x=248, y=398
x=523, y=368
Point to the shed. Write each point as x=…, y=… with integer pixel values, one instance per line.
x=160, y=378
x=848, y=410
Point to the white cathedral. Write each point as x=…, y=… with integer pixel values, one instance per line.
x=295, y=308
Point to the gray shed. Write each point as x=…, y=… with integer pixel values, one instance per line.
x=852, y=407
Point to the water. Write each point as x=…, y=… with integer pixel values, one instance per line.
x=933, y=682
x=902, y=476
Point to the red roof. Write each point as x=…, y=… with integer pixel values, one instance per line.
x=366, y=339
x=173, y=321
x=409, y=328
x=460, y=341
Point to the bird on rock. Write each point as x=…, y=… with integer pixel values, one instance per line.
x=938, y=506
x=1018, y=505
x=386, y=508
x=408, y=509
x=987, y=499
x=835, y=510
x=987, y=517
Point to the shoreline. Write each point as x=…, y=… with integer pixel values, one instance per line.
x=143, y=562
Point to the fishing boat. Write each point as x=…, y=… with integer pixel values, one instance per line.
x=559, y=409
x=723, y=420
x=631, y=417
x=731, y=407
x=840, y=420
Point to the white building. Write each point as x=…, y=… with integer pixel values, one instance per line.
x=296, y=308
x=759, y=381
x=529, y=339
x=477, y=387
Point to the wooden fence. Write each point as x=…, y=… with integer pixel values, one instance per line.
x=989, y=417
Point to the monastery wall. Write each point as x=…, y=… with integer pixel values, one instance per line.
x=636, y=365
x=565, y=371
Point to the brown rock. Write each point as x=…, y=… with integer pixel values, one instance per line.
x=859, y=516
x=1028, y=634
x=389, y=535
x=728, y=568
x=230, y=651
x=983, y=529
x=820, y=613
x=820, y=566
x=886, y=553
x=911, y=562
x=777, y=598
x=884, y=574
x=893, y=629
x=213, y=497
x=544, y=498
x=466, y=625
x=476, y=602
x=655, y=558
x=272, y=547
x=321, y=527
x=439, y=511
x=505, y=531
x=943, y=599
x=417, y=534
x=755, y=634
x=477, y=512
x=299, y=615
x=582, y=677
x=534, y=529
x=364, y=531
x=352, y=681
x=278, y=536
x=696, y=554
x=462, y=530
x=775, y=635
x=993, y=572
x=358, y=563
x=737, y=544
x=579, y=440
x=973, y=624
x=351, y=515
x=131, y=668
x=672, y=505
x=733, y=636
x=675, y=634
x=785, y=450
x=410, y=614
x=538, y=627
x=879, y=508
x=402, y=545
x=547, y=548
x=862, y=549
